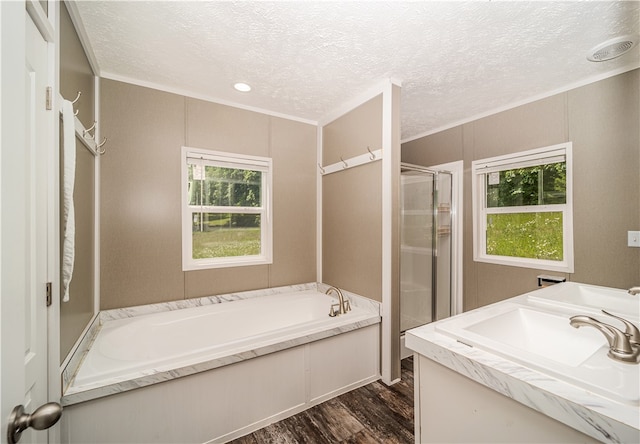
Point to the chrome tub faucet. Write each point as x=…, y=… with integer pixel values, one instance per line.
x=623, y=347
x=343, y=304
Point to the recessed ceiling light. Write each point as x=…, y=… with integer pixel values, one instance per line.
x=242, y=87
x=612, y=48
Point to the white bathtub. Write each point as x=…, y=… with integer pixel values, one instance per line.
x=127, y=348
x=280, y=352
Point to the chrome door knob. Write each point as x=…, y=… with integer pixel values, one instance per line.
x=44, y=417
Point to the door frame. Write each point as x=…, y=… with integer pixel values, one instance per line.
x=47, y=24
x=50, y=21
x=457, y=223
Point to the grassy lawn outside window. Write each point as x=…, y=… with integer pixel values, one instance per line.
x=226, y=209
x=522, y=209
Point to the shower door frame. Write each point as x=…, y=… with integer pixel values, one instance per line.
x=433, y=247
x=455, y=169
x=457, y=229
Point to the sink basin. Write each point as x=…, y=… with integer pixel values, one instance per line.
x=546, y=335
x=581, y=296
x=542, y=339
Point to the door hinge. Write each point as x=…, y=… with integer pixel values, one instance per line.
x=49, y=295
x=48, y=100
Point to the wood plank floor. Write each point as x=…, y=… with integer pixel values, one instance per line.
x=372, y=414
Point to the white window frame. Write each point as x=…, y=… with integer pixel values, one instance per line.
x=228, y=160
x=480, y=168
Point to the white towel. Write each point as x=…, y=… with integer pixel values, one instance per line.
x=69, y=171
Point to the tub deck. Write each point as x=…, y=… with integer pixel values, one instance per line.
x=221, y=394
x=142, y=346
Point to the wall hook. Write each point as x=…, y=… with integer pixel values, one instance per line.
x=77, y=97
x=373, y=156
x=85, y=132
x=99, y=151
x=346, y=165
x=73, y=102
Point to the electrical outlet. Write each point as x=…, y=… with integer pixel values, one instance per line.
x=633, y=238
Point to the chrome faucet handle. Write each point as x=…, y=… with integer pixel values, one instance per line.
x=620, y=347
x=341, y=300
x=631, y=331
x=634, y=290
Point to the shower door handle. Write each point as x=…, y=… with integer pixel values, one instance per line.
x=44, y=417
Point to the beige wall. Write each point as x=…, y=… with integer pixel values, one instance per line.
x=352, y=211
x=76, y=75
x=601, y=120
x=352, y=203
x=352, y=230
x=603, y=125
x=141, y=256
x=75, y=70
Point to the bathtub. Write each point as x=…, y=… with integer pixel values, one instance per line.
x=248, y=362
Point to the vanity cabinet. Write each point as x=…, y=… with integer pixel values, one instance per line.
x=452, y=408
x=516, y=371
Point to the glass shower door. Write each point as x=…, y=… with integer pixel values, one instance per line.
x=416, y=250
x=425, y=254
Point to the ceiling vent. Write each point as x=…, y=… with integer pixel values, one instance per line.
x=612, y=48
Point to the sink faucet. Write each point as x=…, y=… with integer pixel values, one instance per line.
x=630, y=330
x=622, y=346
x=634, y=290
x=343, y=304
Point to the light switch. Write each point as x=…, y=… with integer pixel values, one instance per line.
x=633, y=238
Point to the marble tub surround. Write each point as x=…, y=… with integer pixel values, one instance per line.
x=129, y=312
x=120, y=313
x=600, y=417
x=355, y=299
x=366, y=314
x=78, y=353
x=71, y=368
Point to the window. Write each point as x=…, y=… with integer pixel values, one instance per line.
x=522, y=209
x=226, y=210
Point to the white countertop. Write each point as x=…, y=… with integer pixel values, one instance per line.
x=581, y=409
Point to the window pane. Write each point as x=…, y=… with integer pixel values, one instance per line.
x=217, y=186
x=527, y=235
x=225, y=235
x=536, y=185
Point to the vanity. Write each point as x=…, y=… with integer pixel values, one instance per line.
x=518, y=371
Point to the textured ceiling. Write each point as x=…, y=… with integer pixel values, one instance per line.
x=456, y=60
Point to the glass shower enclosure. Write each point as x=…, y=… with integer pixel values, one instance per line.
x=425, y=255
